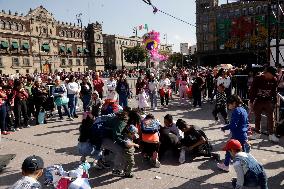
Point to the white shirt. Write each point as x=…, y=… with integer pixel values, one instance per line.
x=225, y=81
x=164, y=83
x=153, y=86
x=73, y=88
x=26, y=183
x=111, y=85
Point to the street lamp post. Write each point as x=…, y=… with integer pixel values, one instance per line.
x=166, y=38
x=79, y=20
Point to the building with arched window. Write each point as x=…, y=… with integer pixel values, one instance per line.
x=37, y=42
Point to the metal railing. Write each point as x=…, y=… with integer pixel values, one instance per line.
x=279, y=108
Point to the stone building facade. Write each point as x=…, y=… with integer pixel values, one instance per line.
x=235, y=32
x=38, y=43
x=114, y=45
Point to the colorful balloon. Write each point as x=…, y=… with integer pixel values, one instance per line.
x=151, y=42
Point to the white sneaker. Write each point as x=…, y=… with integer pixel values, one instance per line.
x=273, y=138
x=155, y=108
x=255, y=136
x=71, y=118
x=223, y=167
x=182, y=156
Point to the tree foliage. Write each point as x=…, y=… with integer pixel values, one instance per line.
x=176, y=59
x=135, y=54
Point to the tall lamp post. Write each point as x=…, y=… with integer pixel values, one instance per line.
x=79, y=20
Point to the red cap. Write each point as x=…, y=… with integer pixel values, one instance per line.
x=232, y=144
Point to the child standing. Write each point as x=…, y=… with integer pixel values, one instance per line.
x=130, y=133
x=221, y=104
x=238, y=127
x=142, y=100
x=96, y=104
x=183, y=89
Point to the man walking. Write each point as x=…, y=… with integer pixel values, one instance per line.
x=263, y=99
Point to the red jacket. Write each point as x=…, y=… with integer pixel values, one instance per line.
x=98, y=85
x=21, y=95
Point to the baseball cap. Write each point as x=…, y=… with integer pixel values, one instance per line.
x=271, y=70
x=133, y=130
x=33, y=163
x=232, y=144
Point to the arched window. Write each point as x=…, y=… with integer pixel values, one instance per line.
x=258, y=10
x=2, y=24
x=21, y=27
x=9, y=25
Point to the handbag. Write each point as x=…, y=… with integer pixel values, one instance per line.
x=61, y=101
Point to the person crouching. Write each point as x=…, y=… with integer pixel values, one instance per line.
x=150, y=139
x=250, y=173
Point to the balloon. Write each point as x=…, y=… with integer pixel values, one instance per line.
x=151, y=42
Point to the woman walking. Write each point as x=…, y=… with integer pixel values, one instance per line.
x=86, y=93
x=20, y=105
x=123, y=91
x=60, y=98
x=3, y=112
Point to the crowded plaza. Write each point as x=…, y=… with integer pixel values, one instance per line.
x=82, y=109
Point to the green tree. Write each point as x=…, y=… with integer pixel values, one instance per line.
x=176, y=59
x=135, y=54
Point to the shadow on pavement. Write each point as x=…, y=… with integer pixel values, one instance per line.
x=69, y=151
x=278, y=179
x=58, y=132
x=9, y=179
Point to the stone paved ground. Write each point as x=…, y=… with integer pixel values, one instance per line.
x=56, y=143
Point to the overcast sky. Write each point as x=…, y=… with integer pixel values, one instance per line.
x=121, y=16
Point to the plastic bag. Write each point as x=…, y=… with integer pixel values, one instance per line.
x=80, y=183
x=41, y=117
x=61, y=101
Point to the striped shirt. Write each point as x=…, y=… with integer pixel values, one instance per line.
x=221, y=98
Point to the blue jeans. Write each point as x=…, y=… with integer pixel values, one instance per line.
x=65, y=109
x=246, y=148
x=72, y=104
x=3, y=114
x=253, y=180
x=86, y=102
x=123, y=102
x=153, y=99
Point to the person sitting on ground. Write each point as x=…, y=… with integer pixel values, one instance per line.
x=170, y=123
x=250, y=173
x=195, y=141
x=32, y=170
x=238, y=127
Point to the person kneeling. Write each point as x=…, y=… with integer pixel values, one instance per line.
x=249, y=172
x=194, y=141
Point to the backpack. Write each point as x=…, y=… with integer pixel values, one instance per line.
x=205, y=149
x=100, y=130
x=150, y=126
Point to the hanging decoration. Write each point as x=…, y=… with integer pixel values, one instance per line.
x=155, y=10
x=151, y=41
